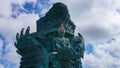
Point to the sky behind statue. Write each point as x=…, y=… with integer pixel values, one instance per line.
x=97, y=20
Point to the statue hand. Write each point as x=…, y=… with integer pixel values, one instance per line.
x=25, y=40
x=66, y=53
x=29, y=47
x=20, y=37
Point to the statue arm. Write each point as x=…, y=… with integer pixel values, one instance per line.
x=30, y=50
x=55, y=45
x=82, y=45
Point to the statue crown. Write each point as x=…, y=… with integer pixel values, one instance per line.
x=61, y=28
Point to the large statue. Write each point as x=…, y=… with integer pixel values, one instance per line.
x=54, y=44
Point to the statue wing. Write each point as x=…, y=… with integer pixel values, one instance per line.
x=33, y=54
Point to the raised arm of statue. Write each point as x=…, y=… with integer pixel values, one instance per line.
x=31, y=50
x=78, y=44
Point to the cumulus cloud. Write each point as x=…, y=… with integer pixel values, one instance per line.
x=1, y=66
x=105, y=55
x=38, y=7
x=9, y=26
x=1, y=44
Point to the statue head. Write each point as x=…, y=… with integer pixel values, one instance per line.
x=61, y=31
x=58, y=11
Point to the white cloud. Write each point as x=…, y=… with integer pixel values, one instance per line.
x=5, y=7
x=9, y=26
x=1, y=44
x=105, y=55
x=1, y=66
x=8, y=29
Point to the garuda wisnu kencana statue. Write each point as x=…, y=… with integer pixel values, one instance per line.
x=54, y=44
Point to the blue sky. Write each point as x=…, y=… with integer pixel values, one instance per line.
x=97, y=20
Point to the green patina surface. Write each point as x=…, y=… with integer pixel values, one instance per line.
x=54, y=45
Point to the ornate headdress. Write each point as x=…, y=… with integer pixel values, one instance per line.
x=61, y=28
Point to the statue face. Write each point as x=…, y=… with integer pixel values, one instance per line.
x=61, y=34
